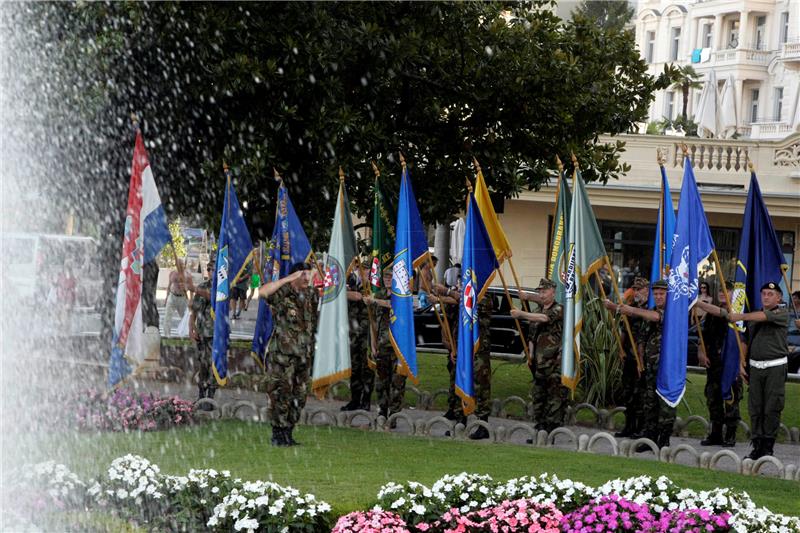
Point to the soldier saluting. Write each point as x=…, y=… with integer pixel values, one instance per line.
x=294, y=303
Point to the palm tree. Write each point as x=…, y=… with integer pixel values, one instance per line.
x=686, y=78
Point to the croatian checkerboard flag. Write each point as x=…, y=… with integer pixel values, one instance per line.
x=146, y=234
x=691, y=246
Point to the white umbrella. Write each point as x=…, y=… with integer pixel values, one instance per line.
x=727, y=110
x=457, y=240
x=706, y=113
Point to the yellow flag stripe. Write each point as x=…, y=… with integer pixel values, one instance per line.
x=502, y=249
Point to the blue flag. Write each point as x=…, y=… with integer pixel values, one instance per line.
x=478, y=265
x=410, y=250
x=665, y=229
x=288, y=245
x=760, y=261
x=691, y=246
x=234, y=252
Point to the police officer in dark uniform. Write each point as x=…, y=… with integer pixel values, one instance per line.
x=721, y=413
x=767, y=355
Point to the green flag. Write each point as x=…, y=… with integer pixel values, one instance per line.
x=332, y=351
x=586, y=255
x=558, y=237
x=382, y=238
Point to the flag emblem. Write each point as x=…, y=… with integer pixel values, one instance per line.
x=400, y=278
x=222, y=275
x=374, y=277
x=469, y=299
x=333, y=280
x=679, y=282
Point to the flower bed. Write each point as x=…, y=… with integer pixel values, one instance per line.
x=125, y=410
x=206, y=500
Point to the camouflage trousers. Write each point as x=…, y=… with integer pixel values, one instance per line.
x=205, y=376
x=390, y=386
x=362, y=377
x=719, y=410
x=483, y=383
x=549, y=395
x=632, y=391
x=453, y=401
x=287, y=388
x=658, y=417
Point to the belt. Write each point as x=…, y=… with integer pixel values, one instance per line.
x=178, y=295
x=769, y=363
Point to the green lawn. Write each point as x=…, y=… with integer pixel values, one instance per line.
x=346, y=467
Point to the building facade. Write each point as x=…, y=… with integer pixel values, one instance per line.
x=756, y=42
x=626, y=211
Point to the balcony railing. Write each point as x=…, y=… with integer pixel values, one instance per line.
x=790, y=51
x=740, y=56
x=707, y=154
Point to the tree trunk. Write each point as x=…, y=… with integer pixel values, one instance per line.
x=685, y=101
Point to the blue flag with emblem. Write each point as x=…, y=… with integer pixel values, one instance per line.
x=665, y=229
x=234, y=251
x=760, y=261
x=478, y=266
x=691, y=246
x=288, y=245
x=410, y=250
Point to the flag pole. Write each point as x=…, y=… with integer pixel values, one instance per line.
x=639, y=362
x=560, y=167
x=505, y=286
x=279, y=179
x=662, y=243
x=365, y=290
x=440, y=317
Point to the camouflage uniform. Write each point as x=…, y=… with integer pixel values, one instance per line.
x=362, y=378
x=483, y=361
x=204, y=326
x=454, y=408
x=659, y=418
x=715, y=329
x=549, y=395
x=291, y=352
x=633, y=384
x=390, y=386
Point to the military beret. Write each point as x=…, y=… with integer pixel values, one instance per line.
x=640, y=283
x=729, y=285
x=545, y=283
x=661, y=284
x=773, y=286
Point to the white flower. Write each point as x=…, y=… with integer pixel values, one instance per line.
x=250, y=524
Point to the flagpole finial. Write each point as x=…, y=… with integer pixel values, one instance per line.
x=375, y=169
x=660, y=159
x=476, y=164
x=575, y=160
x=225, y=166
x=750, y=166
x=559, y=164
x=341, y=175
x=469, y=186
x=277, y=175
x=402, y=160
x=135, y=120
x=685, y=150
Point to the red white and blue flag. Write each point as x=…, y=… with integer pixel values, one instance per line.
x=146, y=234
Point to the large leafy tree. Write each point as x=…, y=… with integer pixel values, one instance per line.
x=307, y=87
x=609, y=14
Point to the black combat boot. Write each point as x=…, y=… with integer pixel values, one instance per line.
x=201, y=392
x=481, y=432
x=288, y=433
x=450, y=415
x=365, y=399
x=730, y=436
x=768, y=446
x=663, y=438
x=715, y=437
x=758, y=450
x=645, y=435
x=279, y=437
x=629, y=429
x=352, y=405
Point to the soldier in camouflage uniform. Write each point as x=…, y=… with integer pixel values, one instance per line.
x=633, y=385
x=362, y=377
x=449, y=299
x=482, y=364
x=721, y=412
x=546, y=327
x=390, y=386
x=294, y=305
x=201, y=330
x=658, y=417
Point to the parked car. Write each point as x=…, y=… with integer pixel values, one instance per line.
x=505, y=337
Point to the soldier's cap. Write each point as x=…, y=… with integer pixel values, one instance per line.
x=772, y=286
x=640, y=283
x=661, y=284
x=300, y=266
x=729, y=285
x=545, y=283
